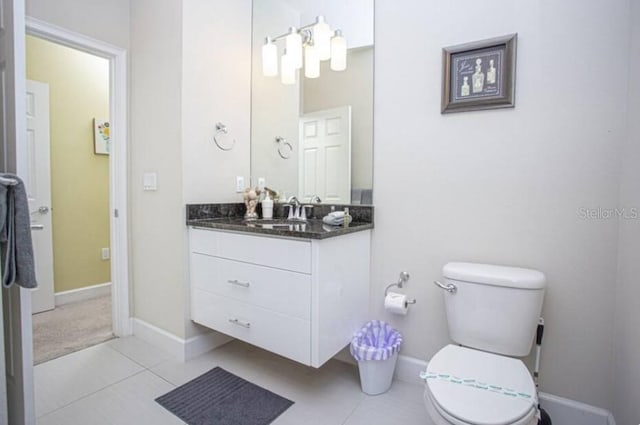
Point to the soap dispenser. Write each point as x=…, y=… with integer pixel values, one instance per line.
x=267, y=207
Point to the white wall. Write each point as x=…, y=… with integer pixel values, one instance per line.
x=107, y=21
x=190, y=69
x=627, y=342
x=504, y=186
x=157, y=217
x=216, y=87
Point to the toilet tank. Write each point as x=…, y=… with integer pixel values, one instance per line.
x=494, y=308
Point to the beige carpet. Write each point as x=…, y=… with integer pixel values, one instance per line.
x=71, y=327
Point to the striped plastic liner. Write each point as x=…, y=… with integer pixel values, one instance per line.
x=377, y=340
x=470, y=382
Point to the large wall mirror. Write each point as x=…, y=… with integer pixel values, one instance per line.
x=312, y=114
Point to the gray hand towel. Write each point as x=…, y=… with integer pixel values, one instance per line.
x=4, y=188
x=16, y=247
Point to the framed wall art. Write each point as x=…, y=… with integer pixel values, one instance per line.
x=101, y=136
x=479, y=75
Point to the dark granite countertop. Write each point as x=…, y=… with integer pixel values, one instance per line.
x=231, y=217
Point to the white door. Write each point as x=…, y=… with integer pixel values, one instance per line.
x=324, y=158
x=16, y=302
x=39, y=192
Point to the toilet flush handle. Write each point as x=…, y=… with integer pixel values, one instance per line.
x=449, y=287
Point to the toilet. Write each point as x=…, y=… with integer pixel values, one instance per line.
x=492, y=315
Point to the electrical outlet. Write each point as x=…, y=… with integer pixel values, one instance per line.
x=105, y=253
x=239, y=184
x=261, y=183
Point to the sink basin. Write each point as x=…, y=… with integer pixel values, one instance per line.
x=273, y=221
x=280, y=224
x=271, y=225
x=275, y=226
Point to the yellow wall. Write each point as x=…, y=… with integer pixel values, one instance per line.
x=79, y=91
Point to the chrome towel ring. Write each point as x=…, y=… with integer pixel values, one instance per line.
x=284, y=148
x=221, y=131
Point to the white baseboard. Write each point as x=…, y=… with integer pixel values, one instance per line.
x=182, y=349
x=566, y=411
x=200, y=344
x=408, y=369
x=563, y=411
x=82, y=294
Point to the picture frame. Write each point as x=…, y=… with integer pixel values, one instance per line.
x=479, y=75
x=101, y=136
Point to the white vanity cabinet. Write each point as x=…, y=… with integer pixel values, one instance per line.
x=300, y=298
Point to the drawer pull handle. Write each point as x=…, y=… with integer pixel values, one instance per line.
x=239, y=283
x=240, y=323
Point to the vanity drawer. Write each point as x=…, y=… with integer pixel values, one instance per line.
x=269, y=251
x=282, y=291
x=281, y=334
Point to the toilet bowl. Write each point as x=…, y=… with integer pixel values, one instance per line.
x=492, y=312
x=465, y=386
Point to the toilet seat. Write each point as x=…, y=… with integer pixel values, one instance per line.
x=466, y=386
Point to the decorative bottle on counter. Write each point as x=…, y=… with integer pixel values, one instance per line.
x=267, y=207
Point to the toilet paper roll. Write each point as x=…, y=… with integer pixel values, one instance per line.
x=396, y=303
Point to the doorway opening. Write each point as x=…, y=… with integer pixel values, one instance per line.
x=88, y=161
x=68, y=167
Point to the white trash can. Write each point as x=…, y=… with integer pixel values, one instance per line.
x=376, y=348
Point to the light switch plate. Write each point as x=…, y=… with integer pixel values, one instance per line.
x=261, y=183
x=150, y=181
x=239, y=184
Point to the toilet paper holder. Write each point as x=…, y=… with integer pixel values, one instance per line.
x=404, y=278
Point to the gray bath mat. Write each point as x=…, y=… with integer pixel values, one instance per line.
x=222, y=398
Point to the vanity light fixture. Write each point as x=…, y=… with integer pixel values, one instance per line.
x=322, y=38
x=269, y=58
x=311, y=61
x=294, y=47
x=338, y=52
x=307, y=45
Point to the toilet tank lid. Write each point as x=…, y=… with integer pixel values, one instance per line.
x=513, y=277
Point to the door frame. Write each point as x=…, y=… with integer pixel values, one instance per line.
x=117, y=57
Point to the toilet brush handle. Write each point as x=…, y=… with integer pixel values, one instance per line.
x=540, y=331
x=539, y=334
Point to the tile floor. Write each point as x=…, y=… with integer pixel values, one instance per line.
x=116, y=382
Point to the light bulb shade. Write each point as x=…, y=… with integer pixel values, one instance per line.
x=294, y=47
x=311, y=62
x=338, y=52
x=322, y=38
x=269, y=59
x=287, y=70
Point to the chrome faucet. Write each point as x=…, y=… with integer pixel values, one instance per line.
x=315, y=199
x=296, y=210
